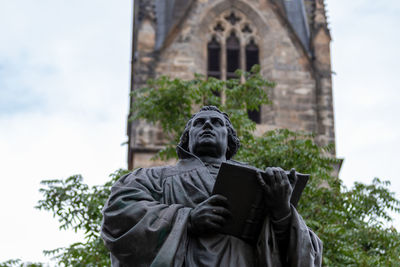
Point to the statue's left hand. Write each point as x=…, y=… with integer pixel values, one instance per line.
x=277, y=191
x=209, y=216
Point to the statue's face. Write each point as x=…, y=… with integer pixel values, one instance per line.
x=208, y=135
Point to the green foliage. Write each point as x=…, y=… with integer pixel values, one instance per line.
x=78, y=207
x=91, y=252
x=169, y=102
x=18, y=263
x=355, y=234
x=350, y=222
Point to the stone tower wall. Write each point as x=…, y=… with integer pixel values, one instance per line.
x=302, y=99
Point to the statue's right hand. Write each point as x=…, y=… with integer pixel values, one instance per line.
x=209, y=216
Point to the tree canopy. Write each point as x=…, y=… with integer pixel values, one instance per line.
x=352, y=223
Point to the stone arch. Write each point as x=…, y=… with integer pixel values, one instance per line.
x=260, y=22
x=214, y=15
x=215, y=10
x=204, y=14
x=234, y=25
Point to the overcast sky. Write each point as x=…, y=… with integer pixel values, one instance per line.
x=64, y=84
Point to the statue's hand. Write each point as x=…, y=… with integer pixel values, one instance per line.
x=277, y=191
x=209, y=216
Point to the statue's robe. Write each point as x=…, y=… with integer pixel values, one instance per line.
x=146, y=218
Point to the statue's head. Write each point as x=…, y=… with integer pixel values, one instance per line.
x=209, y=132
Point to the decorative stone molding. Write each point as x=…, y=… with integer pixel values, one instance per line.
x=233, y=21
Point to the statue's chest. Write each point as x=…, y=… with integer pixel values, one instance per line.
x=188, y=188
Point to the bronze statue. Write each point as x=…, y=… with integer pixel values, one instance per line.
x=167, y=216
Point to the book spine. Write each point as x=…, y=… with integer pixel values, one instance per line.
x=254, y=219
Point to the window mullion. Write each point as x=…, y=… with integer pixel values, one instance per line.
x=223, y=68
x=242, y=57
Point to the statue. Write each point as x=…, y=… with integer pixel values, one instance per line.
x=166, y=216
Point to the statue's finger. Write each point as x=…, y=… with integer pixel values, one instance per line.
x=219, y=200
x=261, y=180
x=280, y=169
x=218, y=197
x=293, y=176
x=285, y=178
x=278, y=176
x=268, y=191
x=214, y=227
x=221, y=211
x=270, y=175
x=216, y=220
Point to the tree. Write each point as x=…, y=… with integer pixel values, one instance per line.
x=18, y=263
x=77, y=207
x=350, y=222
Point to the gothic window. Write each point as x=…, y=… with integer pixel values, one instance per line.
x=252, y=58
x=232, y=45
x=233, y=18
x=214, y=59
x=214, y=52
x=232, y=55
x=219, y=27
x=247, y=29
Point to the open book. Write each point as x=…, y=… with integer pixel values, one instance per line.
x=245, y=196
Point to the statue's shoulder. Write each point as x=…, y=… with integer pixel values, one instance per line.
x=144, y=174
x=161, y=172
x=154, y=172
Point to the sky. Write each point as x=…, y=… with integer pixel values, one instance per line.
x=64, y=85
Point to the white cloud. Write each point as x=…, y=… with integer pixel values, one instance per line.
x=37, y=147
x=70, y=55
x=64, y=85
x=367, y=96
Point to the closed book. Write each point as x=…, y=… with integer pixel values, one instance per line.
x=245, y=196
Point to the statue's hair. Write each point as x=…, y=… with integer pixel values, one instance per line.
x=233, y=140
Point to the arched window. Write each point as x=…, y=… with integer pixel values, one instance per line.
x=252, y=58
x=251, y=55
x=214, y=58
x=232, y=46
x=232, y=55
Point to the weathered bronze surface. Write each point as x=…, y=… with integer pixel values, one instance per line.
x=166, y=216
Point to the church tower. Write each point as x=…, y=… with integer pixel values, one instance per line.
x=289, y=39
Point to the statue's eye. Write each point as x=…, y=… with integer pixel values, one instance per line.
x=198, y=122
x=217, y=122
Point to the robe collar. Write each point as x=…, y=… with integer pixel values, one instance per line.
x=188, y=160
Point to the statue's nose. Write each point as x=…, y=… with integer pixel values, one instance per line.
x=207, y=124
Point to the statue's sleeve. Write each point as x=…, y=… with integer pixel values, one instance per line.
x=304, y=248
x=137, y=228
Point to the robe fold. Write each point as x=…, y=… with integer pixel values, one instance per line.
x=145, y=224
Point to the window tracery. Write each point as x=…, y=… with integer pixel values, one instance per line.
x=232, y=44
